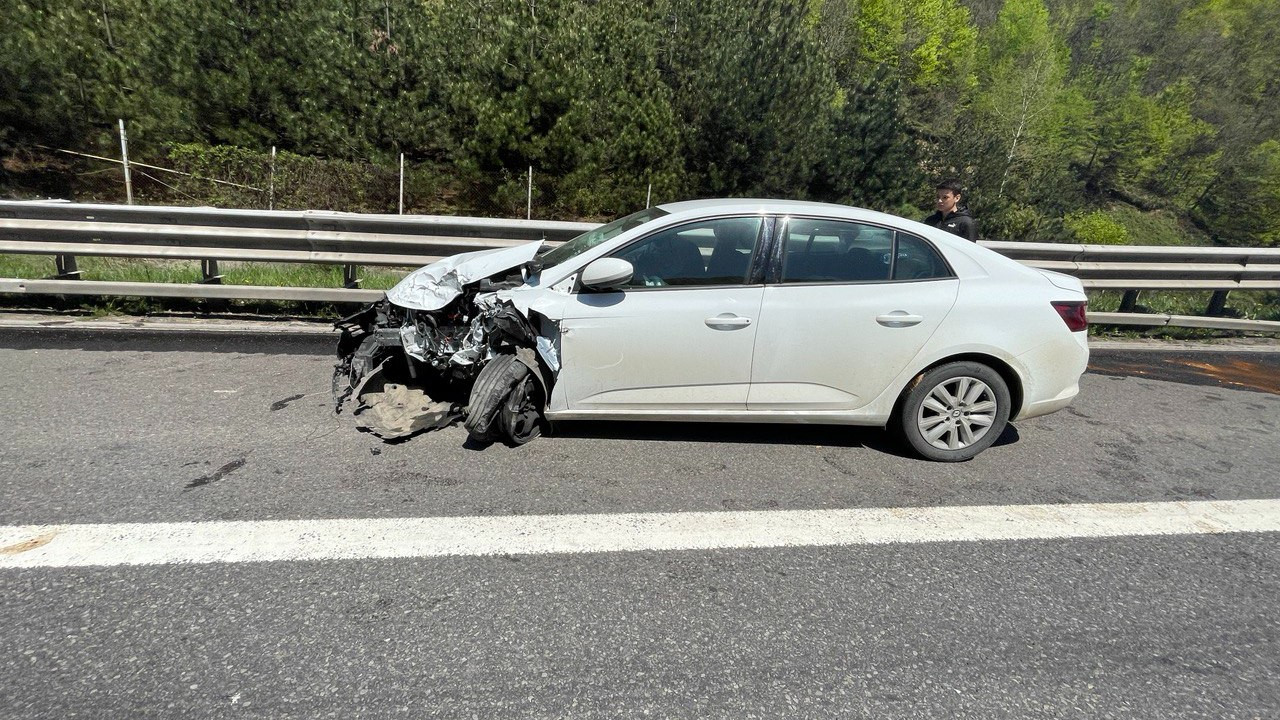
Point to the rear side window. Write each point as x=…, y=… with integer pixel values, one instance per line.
x=917, y=260
x=835, y=251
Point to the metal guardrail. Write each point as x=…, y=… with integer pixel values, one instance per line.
x=68, y=230
x=1153, y=268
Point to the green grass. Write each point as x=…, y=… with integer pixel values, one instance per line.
x=33, y=267
x=1250, y=304
x=288, y=275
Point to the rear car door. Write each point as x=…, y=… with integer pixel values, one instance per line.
x=847, y=307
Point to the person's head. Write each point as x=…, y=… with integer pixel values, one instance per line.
x=948, y=196
x=737, y=232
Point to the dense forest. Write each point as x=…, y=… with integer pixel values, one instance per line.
x=1065, y=119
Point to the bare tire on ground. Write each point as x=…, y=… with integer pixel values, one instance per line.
x=504, y=403
x=954, y=411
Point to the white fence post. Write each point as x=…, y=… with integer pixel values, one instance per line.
x=124, y=153
x=271, y=181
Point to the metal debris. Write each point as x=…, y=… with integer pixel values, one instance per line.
x=398, y=412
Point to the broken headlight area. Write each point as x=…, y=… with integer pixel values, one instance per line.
x=410, y=370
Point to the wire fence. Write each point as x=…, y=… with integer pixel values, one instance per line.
x=234, y=177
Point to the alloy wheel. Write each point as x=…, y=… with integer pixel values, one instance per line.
x=956, y=413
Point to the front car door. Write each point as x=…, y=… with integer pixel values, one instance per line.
x=679, y=337
x=848, y=306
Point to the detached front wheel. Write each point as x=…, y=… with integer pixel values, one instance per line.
x=954, y=411
x=506, y=403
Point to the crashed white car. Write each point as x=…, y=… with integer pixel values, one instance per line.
x=730, y=311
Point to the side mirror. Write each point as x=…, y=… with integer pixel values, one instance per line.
x=607, y=274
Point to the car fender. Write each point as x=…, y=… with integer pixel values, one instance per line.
x=883, y=406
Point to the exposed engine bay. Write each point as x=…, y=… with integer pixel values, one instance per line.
x=445, y=344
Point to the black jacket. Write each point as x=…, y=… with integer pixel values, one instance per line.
x=959, y=223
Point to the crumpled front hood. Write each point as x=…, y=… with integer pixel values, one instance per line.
x=436, y=285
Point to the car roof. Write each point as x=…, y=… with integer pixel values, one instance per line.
x=753, y=203
x=763, y=205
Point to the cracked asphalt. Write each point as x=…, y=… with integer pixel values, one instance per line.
x=157, y=427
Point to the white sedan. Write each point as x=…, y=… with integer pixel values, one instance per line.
x=735, y=311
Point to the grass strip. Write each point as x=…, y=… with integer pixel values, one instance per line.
x=108, y=269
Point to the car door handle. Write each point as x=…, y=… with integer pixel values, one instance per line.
x=899, y=319
x=727, y=321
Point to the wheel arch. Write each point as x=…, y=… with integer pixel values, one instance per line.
x=1010, y=376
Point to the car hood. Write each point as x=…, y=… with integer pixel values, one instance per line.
x=436, y=285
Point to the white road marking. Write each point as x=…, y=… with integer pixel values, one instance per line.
x=292, y=540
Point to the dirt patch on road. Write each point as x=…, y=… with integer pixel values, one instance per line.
x=1256, y=372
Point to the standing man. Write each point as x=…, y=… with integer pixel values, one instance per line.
x=951, y=215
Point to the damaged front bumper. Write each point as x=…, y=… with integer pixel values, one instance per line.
x=432, y=335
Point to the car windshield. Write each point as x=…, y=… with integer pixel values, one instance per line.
x=595, y=236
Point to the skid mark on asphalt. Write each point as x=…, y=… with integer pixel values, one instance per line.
x=282, y=404
x=513, y=536
x=216, y=475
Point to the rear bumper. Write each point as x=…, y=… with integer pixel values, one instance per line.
x=1053, y=404
x=1052, y=375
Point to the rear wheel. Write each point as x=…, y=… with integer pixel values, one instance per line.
x=506, y=403
x=954, y=411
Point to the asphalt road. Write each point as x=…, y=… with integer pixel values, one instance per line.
x=98, y=430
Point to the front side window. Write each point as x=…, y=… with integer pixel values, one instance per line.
x=834, y=251
x=708, y=252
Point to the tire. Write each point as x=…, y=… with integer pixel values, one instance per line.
x=504, y=403
x=521, y=413
x=954, y=411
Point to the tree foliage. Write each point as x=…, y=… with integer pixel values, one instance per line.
x=1049, y=110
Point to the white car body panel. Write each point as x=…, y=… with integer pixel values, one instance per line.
x=657, y=348
x=811, y=353
x=436, y=285
x=820, y=347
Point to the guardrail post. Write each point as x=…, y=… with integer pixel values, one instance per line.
x=66, y=265
x=1217, y=303
x=1129, y=301
x=349, y=279
x=209, y=272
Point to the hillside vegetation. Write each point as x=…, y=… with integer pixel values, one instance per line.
x=1084, y=120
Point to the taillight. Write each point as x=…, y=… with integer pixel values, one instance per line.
x=1072, y=313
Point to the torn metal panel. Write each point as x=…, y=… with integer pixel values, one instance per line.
x=371, y=382
x=398, y=411
x=529, y=360
x=362, y=351
x=438, y=284
x=547, y=349
x=413, y=342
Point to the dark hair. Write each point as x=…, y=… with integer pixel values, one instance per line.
x=953, y=185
